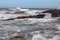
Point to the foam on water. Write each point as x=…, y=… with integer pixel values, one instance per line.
x=11, y=29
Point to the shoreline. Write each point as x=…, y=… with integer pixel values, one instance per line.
x=23, y=23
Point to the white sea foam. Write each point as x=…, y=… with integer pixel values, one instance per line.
x=56, y=37
x=38, y=37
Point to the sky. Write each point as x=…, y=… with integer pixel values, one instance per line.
x=30, y=3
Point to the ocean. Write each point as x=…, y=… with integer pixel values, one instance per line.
x=28, y=27
x=29, y=8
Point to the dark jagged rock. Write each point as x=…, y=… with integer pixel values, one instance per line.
x=55, y=12
x=35, y=16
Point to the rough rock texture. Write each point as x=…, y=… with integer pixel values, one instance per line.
x=55, y=12
x=35, y=16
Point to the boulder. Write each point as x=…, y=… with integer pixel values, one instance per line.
x=55, y=12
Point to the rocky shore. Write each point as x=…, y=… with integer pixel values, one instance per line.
x=54, y=12
x=23, y=25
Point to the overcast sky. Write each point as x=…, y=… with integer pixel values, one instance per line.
x=30, y=3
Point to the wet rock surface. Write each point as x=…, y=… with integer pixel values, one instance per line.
x=19, y=16
x=54, y=12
